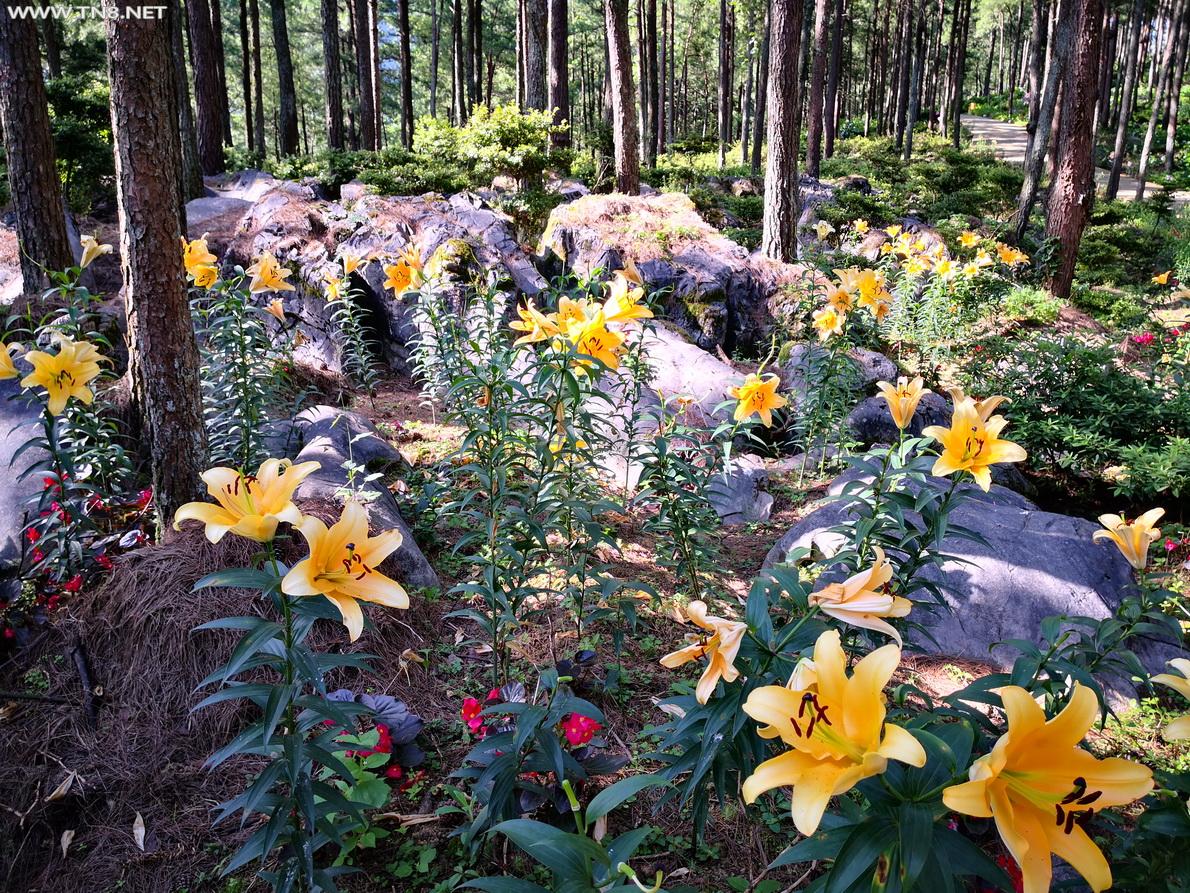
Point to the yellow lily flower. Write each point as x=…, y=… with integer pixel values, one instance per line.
x=1132, y=538
x=861, y=226
x=623, y=302
x=91, y=250
x=835, y=728
x=1162, y=278
x=406, y=274
x=969, y=239
x=631, y=274
x=342, y=566
x=862, y=599
x=276, y=309
x=720, y=649
x=1009, y=255
x=334, y=286
x=250, y=505
x=893, y=231
x=196, y=254
x=828, y=321
x=822, y=229
x=970, y=271
x=917, y=263
x=573, y=316
x=1179, y=729
x=351, y=262
x=757, y=396
x=946, y=269
x=596, y=340
x=982, y=258
x=205, y=275
x=1041, y=788
x=902, y=398
x=841, y=299
x=64, y=374
x=268, y=275
x=535, y=324
x=972, y=443
x=8, y=368
x=984, y=407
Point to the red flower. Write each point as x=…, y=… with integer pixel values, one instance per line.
x=394, y=772
x=412, y=780
x=1143, y=338
x=103, y=561
x=144, y=498
x=470, y=713
x=74, y=584
x=9, y=632
x=32, y=534
x=38, y=556
x=580, y=729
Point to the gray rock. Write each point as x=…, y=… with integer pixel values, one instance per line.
x=353, y=191
x=246, y=185
x=741, y=495
x=871, y=422
x=214, y=214
x=869, y=367
x=856, y=183
x=568, y=187
x=744, y=186
x=1036, y=565
x=334, y=437
x=18, y=422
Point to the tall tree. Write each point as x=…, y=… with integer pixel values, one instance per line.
x=216, y=9
x=435, y=42
x=458, y=66
x=51, y=34
x=1073, y=189
x=822, y=11
x=559, y=85
x=287, y=123
x=206, y=86
x=257, y=81
x=191, y=182
x=246, y=76
x=1035, y=153
x=163, y=365
x=762, y=87
x=830, y=105
x=362, y=19
x=1175, y=93
x=779, y=236
x=32, y=175
x=1131, y=64
x=536, y=29
x=406, y=75
x=1164, y=79
x=653, y=98
x=724, y=93
x=623, y=103
x=332, y=73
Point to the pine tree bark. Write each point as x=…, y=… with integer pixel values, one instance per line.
x=406, y=75
x=32, y=175
x=377, y=82
x=654, y=87
x=257, y=82
x=458, y=65
x=363, y=70
x=1164, y=78
x=822, y=12
x=216, y=8
x=1059, y=53
x=623, y=96
x=536, y=40
x=762, y=88
x=435, y=43
x=191, y=181
x=331, y=72
x=163, y=365
x=1073, y=190
x=1131, y=65
x=51, y=34
x=287, y=119
x=830, y=106
x=1175, y=93
x=246, y=76
x=206, y=87
x=779, y=236
x=724, y=91
x=559, y=75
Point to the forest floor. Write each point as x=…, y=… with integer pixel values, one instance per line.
x=1009, y=141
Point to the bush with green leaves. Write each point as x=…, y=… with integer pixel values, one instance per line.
x=1034, y=305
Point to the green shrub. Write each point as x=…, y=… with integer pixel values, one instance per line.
x=506, y=141
x=82, y=128
x=1030, y=304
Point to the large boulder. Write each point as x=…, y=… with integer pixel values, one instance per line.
x=341, y=441
x=19, y=421
x=741, y=495
x=867, y=367
x=718, y=293
x=460, y=237
x=1035, y=564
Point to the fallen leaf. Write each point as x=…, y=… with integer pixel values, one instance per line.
x=138, y=832
x=67, y=837
x=411, y=655
x=62, y=789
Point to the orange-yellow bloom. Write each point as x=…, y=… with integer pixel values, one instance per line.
x=828, y=321
x=535, y=324
x=596, y=340
x=624, y=301
x=64, y=374
x=196, y=254
x=972, y=443
x=342, y=566
x=268, y=275
x=902, y=398
x=834, y=727
x=8, y=368
x=969, y=239
x=276, y=309
x=250, y=505
x=1132, y=538
x=1162, y=278
x=1179, y=729
x=757, y=396
x=863, y=599
x=720, y=649
x=1041, y=788
x=205, y=275
x=91, y=250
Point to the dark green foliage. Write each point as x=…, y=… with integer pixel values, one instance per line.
x=82, y=124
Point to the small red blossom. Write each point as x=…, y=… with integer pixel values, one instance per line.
x=412, y=779
x=104, y=561
x=394, y=772
x=470, y=713
x=9, y=632
x=38, y=556
x=74, y=584
x=1143, y=339
x=580, y=729
x=32, y=534
x=144, y=498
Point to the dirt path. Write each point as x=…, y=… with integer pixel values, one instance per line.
x=1010, y=141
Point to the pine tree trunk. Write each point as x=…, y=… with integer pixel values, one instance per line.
x=904, y=71
x=746, y=103
x=1073, y=190
x=724, y=92
x=246, y=76
x=163, y=365
x=435, y=42
x=377, y=83
x=221, y=69
x=191, y=180
x=914, y=98
x=822, y=11
x=779, y=236
x=206, y=87
x=1131, y=66
x=32, y=175
x=559, y=74
x=623, y=96
x=287, y=124
x=830, y=105
x=257, y=81
x=1175, y=94
x=536, y=15
x=1164, y=78
x=458, y=64
x=477, y=57
x=762, y=88
x=1059, y=53
x=406, y=75
x=331, y=73
x=654, y=89
x=51, y=34
x=363, y=73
